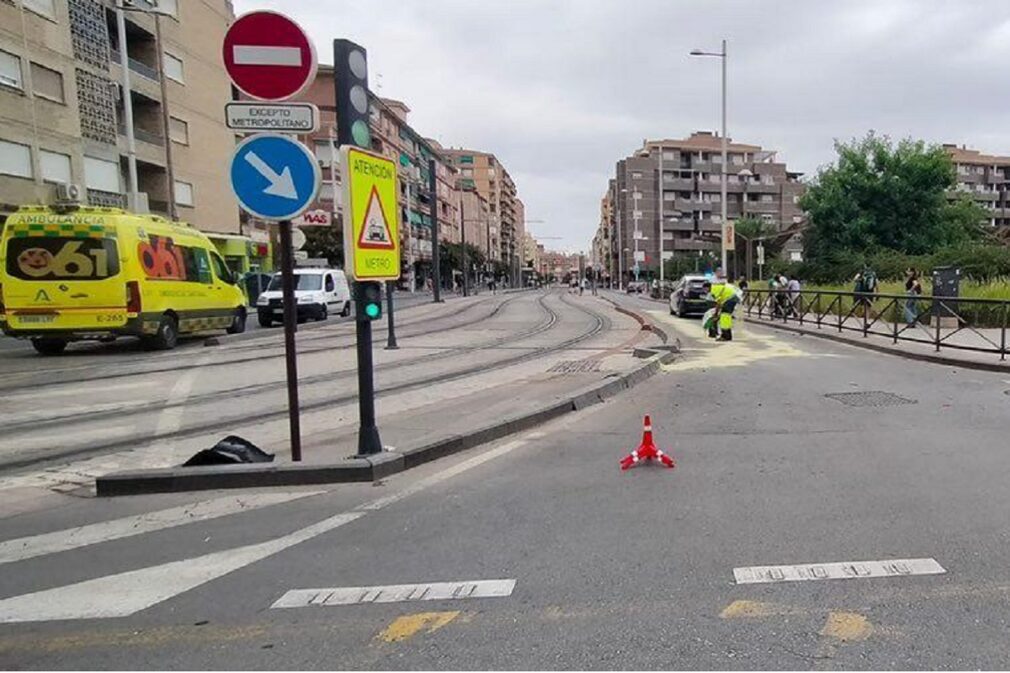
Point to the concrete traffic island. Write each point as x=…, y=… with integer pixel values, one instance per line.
x=535, y=383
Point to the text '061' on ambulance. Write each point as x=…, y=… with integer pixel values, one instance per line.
x=101, y=273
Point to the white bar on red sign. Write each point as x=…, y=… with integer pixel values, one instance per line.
x=838, y=571
x=260, y=55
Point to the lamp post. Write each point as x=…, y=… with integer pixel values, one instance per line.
x=636, y=216
x=722, y=55
x=745, y=175
x=620, y=245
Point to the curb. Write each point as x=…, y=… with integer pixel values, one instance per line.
x=372, y=468
x=646, y=325
x=887, y=350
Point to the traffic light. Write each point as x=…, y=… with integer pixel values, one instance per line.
x=350, y=79
x=368, y=301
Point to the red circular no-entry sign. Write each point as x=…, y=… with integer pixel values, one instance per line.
x=268, y=56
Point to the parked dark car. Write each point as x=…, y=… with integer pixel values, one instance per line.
x=636, y=286
x=689, y=296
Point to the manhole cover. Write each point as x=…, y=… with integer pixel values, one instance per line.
x=576, y=366
x=870, y=398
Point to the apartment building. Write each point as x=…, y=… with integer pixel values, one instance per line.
x=394, y=137
x=667, y=196
x=476, y=215
x=985, y=177
x=485, y=173
x=62, y=106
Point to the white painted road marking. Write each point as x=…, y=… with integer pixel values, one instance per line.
x=260, y=55
x=396, y=593
x=837, y=571
x=83, y=536
x=124, y=594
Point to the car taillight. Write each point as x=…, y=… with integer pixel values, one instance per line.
x=133, y=297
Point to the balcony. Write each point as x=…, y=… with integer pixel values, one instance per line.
x=678, y=184
x=139, y=67
x=144, y=136
x=691, y=205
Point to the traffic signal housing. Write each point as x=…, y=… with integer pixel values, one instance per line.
x=368, y=300
x=350, y=79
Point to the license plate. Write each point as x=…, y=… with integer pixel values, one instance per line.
x=40, y=319
x=278, y=311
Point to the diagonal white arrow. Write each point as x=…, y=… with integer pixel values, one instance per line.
x=280, y=185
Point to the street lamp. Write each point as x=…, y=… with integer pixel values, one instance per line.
x=620, y=246
x=722, y=55
x=133, y=197
x=636, y=215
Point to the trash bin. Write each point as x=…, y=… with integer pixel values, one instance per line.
x=946, y=283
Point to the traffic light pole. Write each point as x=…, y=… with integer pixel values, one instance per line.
x=290, y=325
x=368, y=434
x=391, y=332
x=436, y=272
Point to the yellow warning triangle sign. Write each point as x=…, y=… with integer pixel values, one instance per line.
x=375, y=232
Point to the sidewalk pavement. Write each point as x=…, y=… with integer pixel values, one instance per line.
x=916, y=343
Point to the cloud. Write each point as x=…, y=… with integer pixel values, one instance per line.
x=560, y=90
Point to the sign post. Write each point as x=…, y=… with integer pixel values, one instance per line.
x=269, y=57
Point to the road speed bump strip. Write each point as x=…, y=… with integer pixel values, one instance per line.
x=395, y=593
x=837, y=571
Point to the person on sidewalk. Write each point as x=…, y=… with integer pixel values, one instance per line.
x=725, y=296
x=793, y=288
x=913, y=288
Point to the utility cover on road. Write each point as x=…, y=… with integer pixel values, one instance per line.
x=372, y=242
x=274, y=177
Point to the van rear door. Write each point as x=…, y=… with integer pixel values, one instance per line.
x=67, y=278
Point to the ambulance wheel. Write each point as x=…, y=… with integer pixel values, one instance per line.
x=237, y=322
x=49, y=346
x=346, y=311
x=166, y=337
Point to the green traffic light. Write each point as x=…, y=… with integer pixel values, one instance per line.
x=372, y=310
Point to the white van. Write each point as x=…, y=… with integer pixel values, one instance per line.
x=317, y=291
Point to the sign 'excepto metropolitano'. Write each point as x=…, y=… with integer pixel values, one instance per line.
x=275, y=117
x=371, y=227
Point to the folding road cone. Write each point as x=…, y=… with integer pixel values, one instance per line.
x=647, y=450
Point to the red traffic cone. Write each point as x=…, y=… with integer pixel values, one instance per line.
x=647, y=450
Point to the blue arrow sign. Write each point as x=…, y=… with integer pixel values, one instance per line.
x=273, y=176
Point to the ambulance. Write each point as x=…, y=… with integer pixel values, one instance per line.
x=79, y=272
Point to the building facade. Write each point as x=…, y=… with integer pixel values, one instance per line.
x=485, y=173
x=984, y=177
x=62, y=106
x=666, y=197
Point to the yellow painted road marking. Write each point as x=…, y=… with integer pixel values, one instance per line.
x=847, y=627
x=742, y=609
x=407, y=626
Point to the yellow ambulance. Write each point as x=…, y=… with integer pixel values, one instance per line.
x=99, y=273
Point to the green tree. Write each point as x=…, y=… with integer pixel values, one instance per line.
x=879, y=195
x=325, y=242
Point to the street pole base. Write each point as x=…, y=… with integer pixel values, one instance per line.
x=368, y=441
x=391, y=347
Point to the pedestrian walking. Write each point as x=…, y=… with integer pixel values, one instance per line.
x=793, y=288
x=913, y=288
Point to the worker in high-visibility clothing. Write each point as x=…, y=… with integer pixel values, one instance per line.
x=726, y=296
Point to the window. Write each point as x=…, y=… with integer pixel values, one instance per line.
x=716, y=219
x=10, y=71
x=669, y=196
x=220, y=269
x=465, y=159
x=716, y=158
x=184, y=193
x=767, y=217
x=468, y=172
x=47, y=83
x=101, y=175
x=766, y=198
x=636, y=175
x=303, y=281
x=325, y=192
x=178, y=130
x=15, y=159
x=55, y=167
x=62, y=258
x=173, y=68
x=170, y=7
x=45, y=8
x=330, y=285
x=737, y=159
x=717, y=198
x=669, y=155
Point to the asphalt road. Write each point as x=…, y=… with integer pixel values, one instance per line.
x=611, y=569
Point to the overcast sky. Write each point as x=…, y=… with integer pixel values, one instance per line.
x=560, y=90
